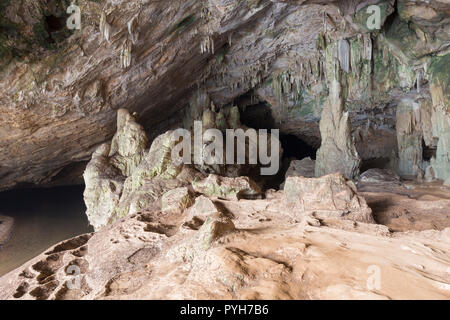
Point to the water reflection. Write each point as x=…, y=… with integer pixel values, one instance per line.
x=42, y=218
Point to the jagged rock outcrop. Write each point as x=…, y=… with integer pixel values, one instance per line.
x=331, y=195
x=176, y=200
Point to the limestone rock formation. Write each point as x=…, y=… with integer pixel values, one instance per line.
x=104, y=185
x=332, y=195
x=62, y=87
x=128, y=144
x=216, y=226
x=111, y=163
x=176, y=200
x=409, y=135
x=365, y=93
x=337, y=152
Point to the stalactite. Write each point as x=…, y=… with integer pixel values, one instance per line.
x=419, y=77
x=125, y=54
x=105, y=27
x=207, y=45
x=133, y=29
x=344, y=54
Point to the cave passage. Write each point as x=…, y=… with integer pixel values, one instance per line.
x=42, y=218
x=293, y=147
x=259, y=116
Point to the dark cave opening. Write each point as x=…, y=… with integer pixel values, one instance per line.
x=56, y=29
x=428, y=152
x=259, y=116
x=374, y=163
x=293, y=147
x=54, y=23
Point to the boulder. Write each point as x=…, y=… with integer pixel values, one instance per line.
x=197, y=214
x=331, y=195
x=176, y=200
x=227, y=188
x=216, y=226
x=104, y=185
x=379, y=176
x=203, y=206
x=302, y=168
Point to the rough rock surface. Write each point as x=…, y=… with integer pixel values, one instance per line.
x=337, y=152
x=252, y=249
x=303, y=168
x=111, y=163
x=176, y=200
x=332, y=195
x=227, y=188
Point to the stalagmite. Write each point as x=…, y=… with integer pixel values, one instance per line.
x=337, y=152
x=409, y=138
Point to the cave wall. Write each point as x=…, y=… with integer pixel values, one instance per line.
x=61, y=90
